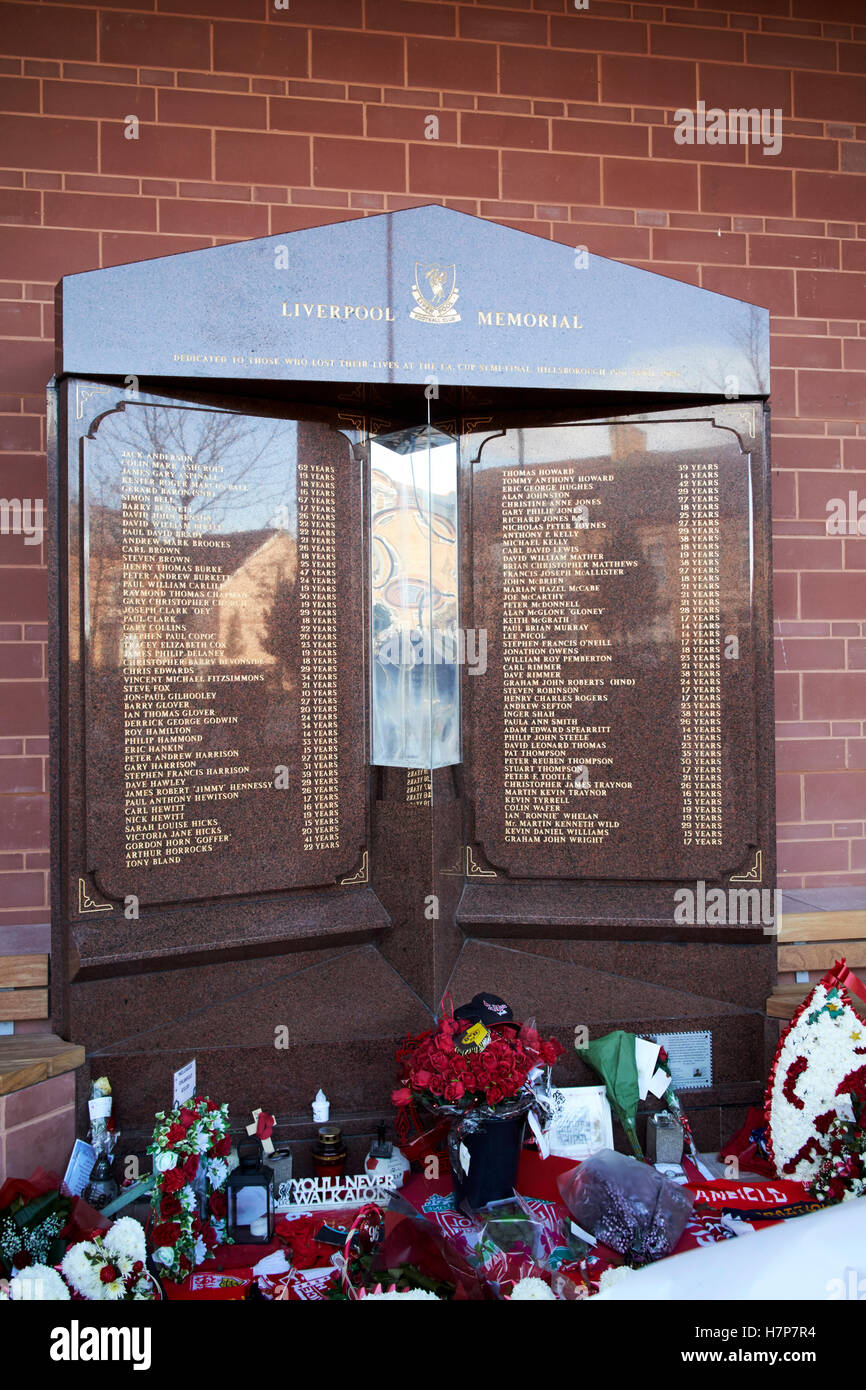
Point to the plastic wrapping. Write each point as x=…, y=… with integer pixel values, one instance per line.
x=484, y=1148
x=626, y=1204
x=510, y=1226
x=398, y=1246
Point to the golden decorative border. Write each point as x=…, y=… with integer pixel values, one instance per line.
x=753, y=875
x=361, y=875
x=88, y=904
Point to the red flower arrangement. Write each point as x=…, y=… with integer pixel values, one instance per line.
x=436, y=1073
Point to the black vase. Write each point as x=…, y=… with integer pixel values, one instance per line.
x=494, y=1154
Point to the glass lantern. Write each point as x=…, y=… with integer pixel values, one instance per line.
x=250, y=1194
x=102, y=1186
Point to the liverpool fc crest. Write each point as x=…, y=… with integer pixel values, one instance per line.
x=435, y=303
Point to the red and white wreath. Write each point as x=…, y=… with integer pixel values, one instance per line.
x=811, y=1079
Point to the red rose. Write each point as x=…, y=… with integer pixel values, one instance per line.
x=489, y=1060
x=494, y=1095
x=265, y=1126
x=212, y=1104
x=218, y=1204
x=189, y=1167
x=176, y=1135
x=187, y=1117
x=402, y=1096
x=108, y=1274
x=454, y=1090
x=166, y=1233
x=436, y=1086
x=173, y=1180
x=445, y=1043
x=439, y=1062
x=170, y=1206
x=421, y=1079
x=137, y=1267
x=209, y=1237
x=222, y=1148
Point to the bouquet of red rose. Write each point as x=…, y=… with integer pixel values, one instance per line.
x=445, y=1072
x=488, y=1078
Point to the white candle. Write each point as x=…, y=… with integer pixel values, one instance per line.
x=259, y=1227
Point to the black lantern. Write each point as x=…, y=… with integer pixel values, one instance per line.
x=250, y=1193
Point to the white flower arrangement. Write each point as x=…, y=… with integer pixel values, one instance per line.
x=404, y=1295
x=613, y=1276
x=532, y=1289
x=126, y=1239
x=110, y=1267
x=37, y=1283
x=825, y=1041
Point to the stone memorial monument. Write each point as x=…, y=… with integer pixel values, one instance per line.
x=412, y=635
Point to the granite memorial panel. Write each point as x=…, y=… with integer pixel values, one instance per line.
x=613, y=571
x=225, y=749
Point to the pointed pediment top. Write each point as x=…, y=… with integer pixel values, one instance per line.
x=423, y=293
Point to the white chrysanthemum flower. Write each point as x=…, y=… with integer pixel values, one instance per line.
x=187, y=1198
x=611, y=1277
x=532, y=1288
x=39, y=1283
x=201, y=1251
x=77, y=1268
x=113, y=1291
x=217, y=1172
x=405, y=1295
x=126, y=1240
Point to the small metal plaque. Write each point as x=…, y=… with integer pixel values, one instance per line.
x=690, y=1057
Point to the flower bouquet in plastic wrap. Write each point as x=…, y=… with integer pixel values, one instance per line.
x=396, y=1250
x=626, y=1205
x=39, y=1219
x=487, y=1072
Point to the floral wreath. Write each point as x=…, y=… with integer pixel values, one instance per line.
x=190, y=1148
x=817, y=1071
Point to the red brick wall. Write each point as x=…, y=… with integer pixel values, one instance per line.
x=257, y=120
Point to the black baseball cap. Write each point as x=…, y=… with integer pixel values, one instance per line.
x=485, y=1008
